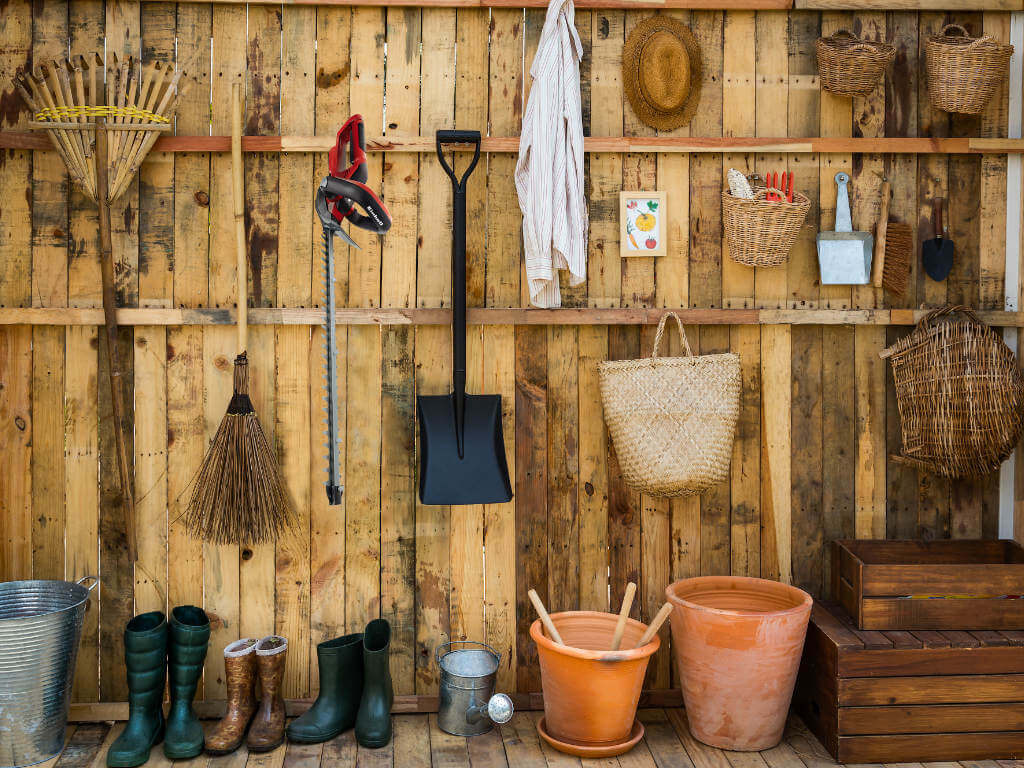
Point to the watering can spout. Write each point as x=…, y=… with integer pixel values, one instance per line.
x=498, y=710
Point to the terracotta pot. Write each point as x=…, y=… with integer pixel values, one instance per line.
x=737, y=644
x=590, y=692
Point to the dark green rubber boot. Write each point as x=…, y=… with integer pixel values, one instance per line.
x=145, y=659
x=373, y=724
x=188, y=637
x=341, y=687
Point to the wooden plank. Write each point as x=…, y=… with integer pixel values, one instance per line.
x=190, y=288
x=955, y=718
x=327, y=523
x=981, y=579
x=444, y=749
x=904, y=662
x=412, y=741
x=602, y=144
x=583, y=3
x=593, y=485
x=531, y=492
x=882, y=613
x=49, y=276
x=931, y=746
x=563, y=467
x=485, y=316
x=933, y=689
x=293, y=349
x=522, y=744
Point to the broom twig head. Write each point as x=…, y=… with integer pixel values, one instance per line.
x=240, y=496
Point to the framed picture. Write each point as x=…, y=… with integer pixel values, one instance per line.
x=642, y=229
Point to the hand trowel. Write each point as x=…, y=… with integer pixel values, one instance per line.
x=937, y=253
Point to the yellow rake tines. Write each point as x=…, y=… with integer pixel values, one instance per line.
x=133, y=102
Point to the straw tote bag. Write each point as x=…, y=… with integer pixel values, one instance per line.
x=672, y=419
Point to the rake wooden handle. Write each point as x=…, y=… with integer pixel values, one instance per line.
x=238, y=193
x=620, y=625
x=544, y=618
x=110, y=323
x=655, y=625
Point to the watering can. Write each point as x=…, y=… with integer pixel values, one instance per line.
x=844, y=256
x=467, y=704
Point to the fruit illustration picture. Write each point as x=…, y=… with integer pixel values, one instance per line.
x=642, y=224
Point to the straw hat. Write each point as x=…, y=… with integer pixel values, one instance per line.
x=661, y=72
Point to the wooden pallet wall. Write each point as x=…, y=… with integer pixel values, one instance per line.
x=818, y=415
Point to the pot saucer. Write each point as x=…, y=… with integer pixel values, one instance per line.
x=593, y=750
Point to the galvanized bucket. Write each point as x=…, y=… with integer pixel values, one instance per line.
x=40, y=626
x=468, y=672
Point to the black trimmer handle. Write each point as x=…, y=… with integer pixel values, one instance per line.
x=459, y=272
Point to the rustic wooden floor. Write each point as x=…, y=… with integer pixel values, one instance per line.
x=418, y=743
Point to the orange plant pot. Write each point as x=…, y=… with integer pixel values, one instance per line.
x=591, y=692
x=737, y=643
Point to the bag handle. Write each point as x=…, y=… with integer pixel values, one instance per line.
x=661, y=332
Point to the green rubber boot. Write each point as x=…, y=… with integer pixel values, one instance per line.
x=373, y=724
x=145, y=660
x=341, y=686
x=189, y=635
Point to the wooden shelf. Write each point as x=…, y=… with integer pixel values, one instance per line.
x=482, y=316
x=783, y=145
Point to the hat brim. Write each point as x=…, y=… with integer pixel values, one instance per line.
x=647, y=112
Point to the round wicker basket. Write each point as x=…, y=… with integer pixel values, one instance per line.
x=849, y=66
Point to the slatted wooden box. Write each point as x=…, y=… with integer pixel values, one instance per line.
x=908, y=585
x=886, y=697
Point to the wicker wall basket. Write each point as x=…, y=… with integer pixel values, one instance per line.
x=964, y=72
x=960, y=394
x=761, y=233
x=849, y=66
x=672, y=419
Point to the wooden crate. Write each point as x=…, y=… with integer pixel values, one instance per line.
x=881, y=697
x=893, y=585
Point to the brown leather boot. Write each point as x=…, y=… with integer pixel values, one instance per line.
x=240, y=670
x=267, y=730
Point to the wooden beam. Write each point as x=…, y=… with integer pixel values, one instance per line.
x=603, y=144
x=79, y=316
x=93, y=712
x=909, y=5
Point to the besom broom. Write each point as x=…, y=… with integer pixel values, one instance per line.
x=239, y=495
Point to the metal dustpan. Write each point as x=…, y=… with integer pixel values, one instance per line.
x=844, y=256
x=462, y=448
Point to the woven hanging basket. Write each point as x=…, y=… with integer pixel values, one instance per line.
x=672, y=419
x=964, y=72
x=760, y=233
x=849, y=66
x=960, y=394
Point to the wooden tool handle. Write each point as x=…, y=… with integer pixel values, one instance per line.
x=620, y=625
x=883, y=225
x=937, y=205
x=110, y=323
x=655, y=625
x=544, y=618
x=242, y=274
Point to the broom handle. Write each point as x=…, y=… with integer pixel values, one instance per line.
x=110, y=322
x=242, y=276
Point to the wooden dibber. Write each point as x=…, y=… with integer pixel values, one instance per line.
x=545, y=619
x=655, y=625
x=620, y=627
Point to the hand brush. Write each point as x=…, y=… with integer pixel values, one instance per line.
x=893, y=243
x=239, y=495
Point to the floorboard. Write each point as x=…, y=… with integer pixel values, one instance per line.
x=419, y=743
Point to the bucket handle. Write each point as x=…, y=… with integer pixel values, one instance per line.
x=91, y=587
x=443, y=649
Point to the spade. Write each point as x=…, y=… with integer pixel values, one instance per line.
x=937, y=253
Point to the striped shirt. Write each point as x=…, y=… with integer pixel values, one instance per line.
x=549, y=173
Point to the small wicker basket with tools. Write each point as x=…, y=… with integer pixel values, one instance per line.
x=672, y=419
x=849, y=66
x=960, y=394
x=963, y=71
x=760, y=232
